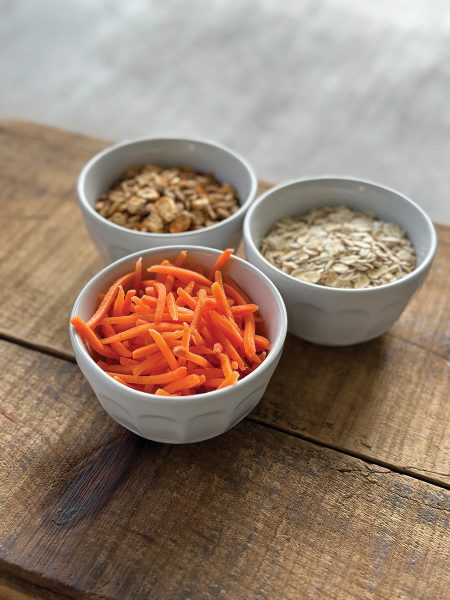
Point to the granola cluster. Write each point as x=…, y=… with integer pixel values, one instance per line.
x=167, y=200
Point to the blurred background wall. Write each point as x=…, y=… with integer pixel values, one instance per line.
x=302, y=87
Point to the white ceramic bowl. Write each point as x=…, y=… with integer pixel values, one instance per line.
x=103, y=170
x=331, y=316
x=193, y=418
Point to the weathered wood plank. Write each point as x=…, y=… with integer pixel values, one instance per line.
x=385, y=400
x=44, y=241
x=88, y=508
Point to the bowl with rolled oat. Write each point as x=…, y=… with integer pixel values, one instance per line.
x=347, y=255
x=164, y=191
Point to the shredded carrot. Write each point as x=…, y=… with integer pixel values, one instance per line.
x=163, y=378
x=186, y=298
x=189, y=381
x=178, y=332
x=161, y=392
x=182, y=274
x=261, y=343
x=165, y=350
x=225, y=364
x=137, y=278
x=171, y=306
x=221, y=261
x=180, y=258
x=221, y=300
x=181, y=352
x=118, y=304
x=89, y=336
x=226, y=327
x=249, y=335
x=117, y=346
x=108, y=299
x=196, y=318
x=229, y=380
x=162, y=292
x=244, y=309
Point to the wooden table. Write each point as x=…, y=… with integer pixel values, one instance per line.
x=336, y=486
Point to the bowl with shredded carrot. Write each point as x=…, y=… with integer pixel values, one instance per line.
x=179, y=343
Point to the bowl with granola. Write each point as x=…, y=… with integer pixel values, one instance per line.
x=164, y=191
x=347, y=255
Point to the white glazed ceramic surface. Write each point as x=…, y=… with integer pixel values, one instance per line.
x=183, y=419
x=102, y=171
x=332, y=316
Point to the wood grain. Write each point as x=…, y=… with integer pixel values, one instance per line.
x=91, y=510
x=45, y=244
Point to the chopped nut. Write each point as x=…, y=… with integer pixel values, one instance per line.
x=181, y=223
x=169, y=200
x=167, y=208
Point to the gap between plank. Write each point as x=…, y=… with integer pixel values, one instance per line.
x=65, y=355
x=352, y=453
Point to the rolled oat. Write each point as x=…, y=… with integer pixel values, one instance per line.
x=340, y=247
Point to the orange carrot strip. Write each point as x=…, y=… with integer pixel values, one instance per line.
x=214, y=382
x=185, y=341
x=249, y=335
x=171, y=306
x=153, y=347
x=196, y=318
x=152, y=362
x=123, y=320
x=89, y=336
x=180, y=258
x=244, y=309
x=171, y=377
x=185, y=275
x=137, y=277
x=225, y=364
x=230, y=380
x=204, y=350
x=170, y=280
x=189, y=381
x=149, y=300
x=221, y=300
x=108, y=300
x=189, y=288
x=126, y=306
x=261, y=343
x=207, y=334
x=129, y=333
x=221, y=261
x=231, y=351
x=128, y=361
x=156, y=363
x=226, y=327
x=121, y=369
x=117, y=346
x=234, y=292
x=183, y=296
x=209, y=372
x=161, y=392
x=118, y=304
x=165, y=350
x=181, y=352
x=162, y=292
